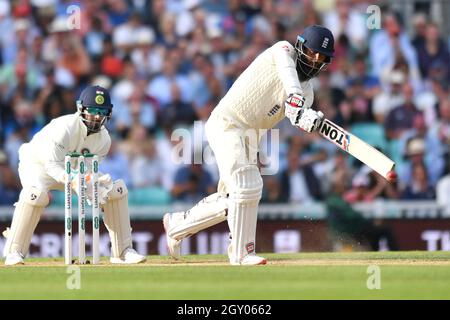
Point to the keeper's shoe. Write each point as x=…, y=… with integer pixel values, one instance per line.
x=129, y=256
x=13, y=259
x=173, y=245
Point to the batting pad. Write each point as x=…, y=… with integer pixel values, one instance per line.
x=28, y=211
x=208, y=212
x=245, y=191
x=117, y=219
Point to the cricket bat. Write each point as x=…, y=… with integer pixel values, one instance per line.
x=361, y=150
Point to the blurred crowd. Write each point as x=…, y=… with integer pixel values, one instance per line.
x=167, y=63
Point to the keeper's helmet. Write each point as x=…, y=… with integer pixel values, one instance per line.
x=95, y=107
x=314, y=51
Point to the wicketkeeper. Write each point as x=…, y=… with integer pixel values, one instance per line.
x=274, y=86
x=41, y=169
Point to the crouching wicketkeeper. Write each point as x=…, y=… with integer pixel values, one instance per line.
x=41, y=169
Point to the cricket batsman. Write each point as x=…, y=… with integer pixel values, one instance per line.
x=274, y=86
x=41, y=169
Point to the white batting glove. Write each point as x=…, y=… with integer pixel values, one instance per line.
x=293, y=107
x=310, y=120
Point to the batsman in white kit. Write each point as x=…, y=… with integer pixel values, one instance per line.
x=274, y=86
x=41, y=169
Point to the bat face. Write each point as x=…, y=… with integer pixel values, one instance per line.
x=335, y=134
x=356, y=147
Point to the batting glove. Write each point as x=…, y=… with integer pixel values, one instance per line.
x=310, y=120
x=294, y=107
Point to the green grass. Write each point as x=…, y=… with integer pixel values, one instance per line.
x=404, y=275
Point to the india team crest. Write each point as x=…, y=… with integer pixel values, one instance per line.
x=99, y=99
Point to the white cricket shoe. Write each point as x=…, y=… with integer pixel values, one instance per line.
x=129, y=256
x=13, y=259
x=248, y=260
x=173, y=245
x=253, y=260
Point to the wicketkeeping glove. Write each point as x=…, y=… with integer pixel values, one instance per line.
x=105, y=185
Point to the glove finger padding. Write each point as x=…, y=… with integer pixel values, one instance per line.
x=310, y=120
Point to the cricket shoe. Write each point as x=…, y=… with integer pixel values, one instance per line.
x=173, y=245
x=129, y=256
x=13, y=259
x=248, y=260
x=253, y=260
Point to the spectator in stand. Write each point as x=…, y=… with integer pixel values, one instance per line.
x=135, y=139
x=360, y=103
x=360, y=76
x=299, y=182
x=147, y=56
x=49, y=102
x=138, y=109
x=74, y=59
x=159, y=87
x=344, y=20
x=390, y=97
x=20, y=126
x=168, y=37
x=111, y=64
x=192, y=183
x=94, y=39
x=434, y=149
x=420, y=28
x=177, y=112
x=19, y=79
x=401, y=118
x=145, y=167
x=415, y=155
x=332, y=94
x=419, y=188
x=272, y=192
x=118, y=12
x=126, y=35
x=390, y=44
x=431, y=50
x=114, y=164
x=21, y=36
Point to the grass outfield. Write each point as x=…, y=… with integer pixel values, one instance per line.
x=404, y=275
